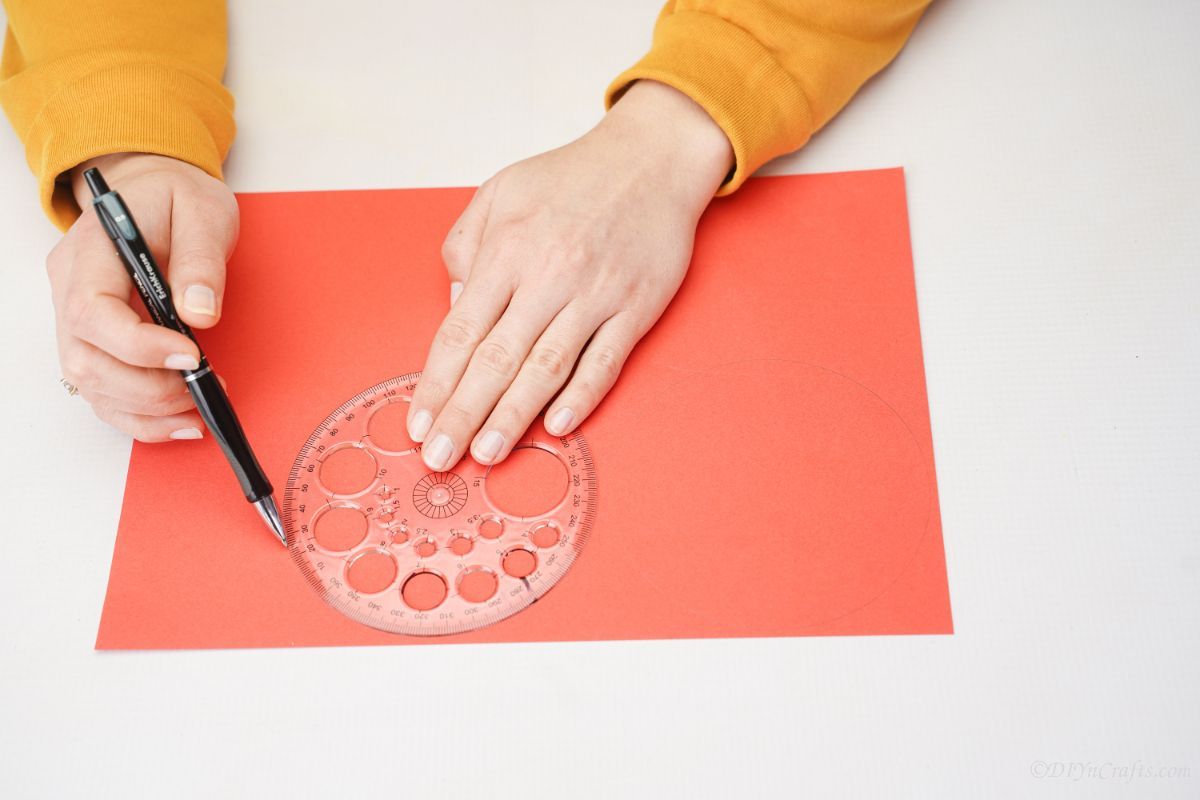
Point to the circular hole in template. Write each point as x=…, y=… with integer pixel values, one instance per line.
x=519, y=562
x=491, y=527
x=372, y=571
x=423, y=591
x=425, y=547
x=461, y=544
x=477, y=584
x=545, y=534
x=398, y=532
x=348, y=470
x=529, y=483
x=388, y=427
x=340, y=528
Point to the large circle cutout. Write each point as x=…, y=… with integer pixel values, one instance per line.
x=339, y=528
x=531, y=482
x=348, y=470
x=388, y=427
x=372, y=571
x=477, y=585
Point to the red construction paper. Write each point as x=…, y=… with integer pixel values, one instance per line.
x=764, y=464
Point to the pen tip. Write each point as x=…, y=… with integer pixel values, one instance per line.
x=270, y=514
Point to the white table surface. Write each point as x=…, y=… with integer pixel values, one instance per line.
x=1051, y=155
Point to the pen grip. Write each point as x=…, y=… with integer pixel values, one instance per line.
x=223, y=424
x=156, y=295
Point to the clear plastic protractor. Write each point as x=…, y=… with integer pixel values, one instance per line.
x=392, y=545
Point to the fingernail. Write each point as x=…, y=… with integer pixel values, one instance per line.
x=560, y=421
x=187, y=433
x=438, y=453
x=422, y=421
x=200, y=299
x=488, y=447
x=455, y=291
x=181, y=361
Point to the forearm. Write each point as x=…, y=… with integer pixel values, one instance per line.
x=82, y=78
x=771, y=72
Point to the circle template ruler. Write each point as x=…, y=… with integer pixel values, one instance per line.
x=392, y=545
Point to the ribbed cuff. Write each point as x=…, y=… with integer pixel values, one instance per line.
x=734, y=78
x=132, y=107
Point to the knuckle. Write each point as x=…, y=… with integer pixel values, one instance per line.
x=215, y=216
x=429, y=392
x=104, y=412
x=497, y=357
x=455, y=415
x=550, y=362
x=142, y=431
x=512, y=239
x=77, y=311
x=78, y=367
x=162, y=403
x=570, y=255
x=56, y=258
x=200, y=261
x=212, y=208
x=453, y=249
x=508, y=417
x=458, y=333
x=605, y=362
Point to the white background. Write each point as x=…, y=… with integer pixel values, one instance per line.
x=1051, y=154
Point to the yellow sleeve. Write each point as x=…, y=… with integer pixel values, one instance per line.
x=83, y=78
x=771, y=72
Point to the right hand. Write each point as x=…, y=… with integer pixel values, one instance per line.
x=126, y=367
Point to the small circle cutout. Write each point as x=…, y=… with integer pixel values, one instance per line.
x=477, y=584
x=545, y=535
x=491, y=527
x=519, y=562
x=423, y=591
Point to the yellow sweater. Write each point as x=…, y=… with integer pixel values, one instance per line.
x=81, y=78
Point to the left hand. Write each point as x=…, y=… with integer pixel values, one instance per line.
x=564, y=261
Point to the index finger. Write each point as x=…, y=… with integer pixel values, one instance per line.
x=95, y=309
x=470, y=320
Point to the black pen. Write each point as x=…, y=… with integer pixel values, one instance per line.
x=211, y=400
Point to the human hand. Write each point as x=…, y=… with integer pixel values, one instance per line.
x=126, y=367
x=564, y=262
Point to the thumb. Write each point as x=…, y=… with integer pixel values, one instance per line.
x=462, y=243
x=203, y=233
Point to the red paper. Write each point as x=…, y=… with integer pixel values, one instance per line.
x=764, y=464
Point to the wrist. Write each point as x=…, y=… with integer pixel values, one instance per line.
x=110, y=165
x=669, y=132
x=116, y=166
